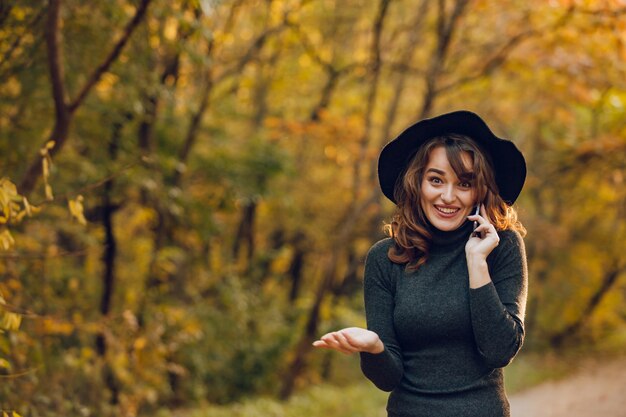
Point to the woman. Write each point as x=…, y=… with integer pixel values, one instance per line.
x=444, y=295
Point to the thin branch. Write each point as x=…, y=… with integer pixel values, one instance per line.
x=405, y=67
x=115, y=52
x=500, y=57
x=16, y=310
x=446, y=27
x=577, y=159
x=375, y=67
x=251, y=53
x=55, y=60
x=44, y=255
x=5, y=11
x=492, y=63
x=27, y=62
x=407, y=54
x=609, y=279
x=307, y=44
x=205, y=97
x=6, y=56
x=332, y=74
x=21, y=373
x=63, y=111
x=603, y=12
x=89, y=187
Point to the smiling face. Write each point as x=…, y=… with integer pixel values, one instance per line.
x=446, y=199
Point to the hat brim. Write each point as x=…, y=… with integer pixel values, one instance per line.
x=508, y=162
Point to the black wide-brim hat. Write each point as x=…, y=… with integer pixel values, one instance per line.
x=508, y=162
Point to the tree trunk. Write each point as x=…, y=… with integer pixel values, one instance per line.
x=327, y=91
x=352, y=214
x=65, y=109
x=146, y=127
x=108, y=258
x=297, y=265
x=608, y=281
x=310, y=330
x=375, y=67
x=345, y=230
x=244, y=239
x=446, y=26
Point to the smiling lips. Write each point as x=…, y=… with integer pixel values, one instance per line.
x=447, y=211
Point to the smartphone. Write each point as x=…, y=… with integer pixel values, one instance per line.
x=476, y=213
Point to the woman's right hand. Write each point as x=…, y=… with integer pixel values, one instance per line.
x=351, y=340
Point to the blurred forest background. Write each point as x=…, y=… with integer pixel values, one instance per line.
x=188, y=187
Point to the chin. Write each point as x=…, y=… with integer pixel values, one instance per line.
x=446, y=225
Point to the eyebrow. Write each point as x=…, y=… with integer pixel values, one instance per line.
x=469, y=175
x=437, y=171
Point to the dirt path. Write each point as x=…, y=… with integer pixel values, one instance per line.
x=595, y=390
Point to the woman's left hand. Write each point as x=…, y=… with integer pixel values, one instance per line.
x=351, y=340
x=484, y=239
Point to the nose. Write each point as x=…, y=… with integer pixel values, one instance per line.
x=447, y=195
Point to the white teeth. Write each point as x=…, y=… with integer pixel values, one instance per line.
x=447, y=210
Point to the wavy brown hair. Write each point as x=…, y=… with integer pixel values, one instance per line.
x=408, y=227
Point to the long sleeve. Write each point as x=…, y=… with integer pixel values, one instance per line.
x=384, y=369
x=497, y=308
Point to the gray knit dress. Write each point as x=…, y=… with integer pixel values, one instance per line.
x=445, y=344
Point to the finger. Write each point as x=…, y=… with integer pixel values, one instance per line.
x=486, y=232
x=489, y=228
x=483, y=228
x=481, y=218
x=323, y=345
x=342, y=343
x=320, y=344
x=345, y=342
x=329, y=339
x=477, y=218
x=333, y=343
x=351, y=340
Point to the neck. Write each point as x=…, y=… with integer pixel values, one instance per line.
x=445, y=238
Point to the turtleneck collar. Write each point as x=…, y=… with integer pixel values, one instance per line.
x=441, y=238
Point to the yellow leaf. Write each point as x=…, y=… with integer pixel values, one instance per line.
x=49, y=195
x=35, y=209
x=77, y=209
x=27, y=207
x=10, y=321
x=20, y=216
x=8, y=187
x=140, y=343
x=50, y=144
x=15, y=414
x=6, y=240
x=14, y=321
x=53, y=326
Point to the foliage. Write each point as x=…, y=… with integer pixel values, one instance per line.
x=215, y=188
x=321, y=400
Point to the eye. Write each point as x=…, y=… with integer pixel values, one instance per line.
x=465, y=184
x=435, y=180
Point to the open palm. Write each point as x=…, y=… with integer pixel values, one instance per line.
x=351, y=340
